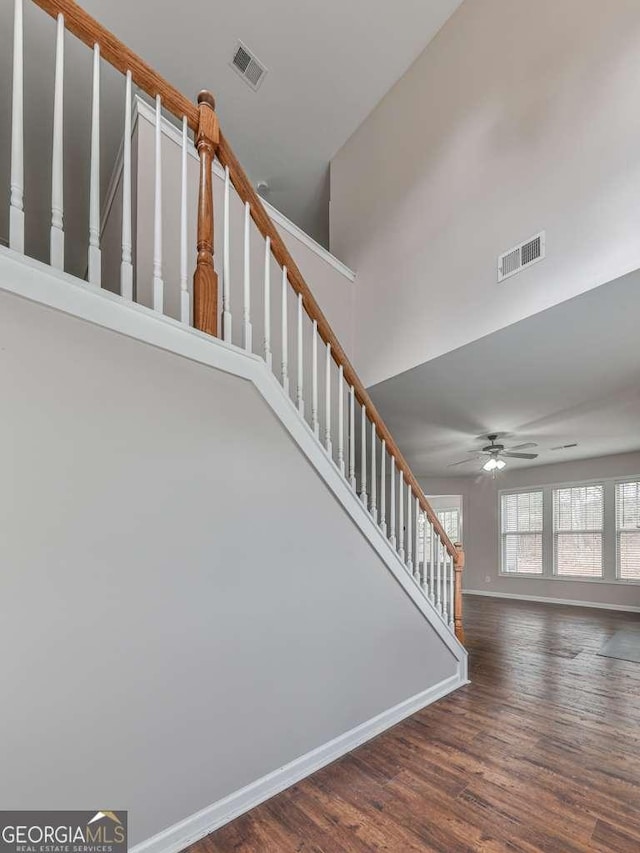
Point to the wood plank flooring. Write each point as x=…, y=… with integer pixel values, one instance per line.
x=540, y=752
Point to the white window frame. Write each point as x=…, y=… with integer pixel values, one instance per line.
x=526, y=490
x=618, y=531
x=600, y=532
x=609, y=532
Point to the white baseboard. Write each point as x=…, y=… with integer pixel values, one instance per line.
x=545, y=600
x=197, y=825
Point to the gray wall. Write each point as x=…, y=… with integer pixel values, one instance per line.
x=185, y=606
x=481, y=525
x=514, y=119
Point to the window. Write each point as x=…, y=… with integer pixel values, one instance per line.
x=521, y=533
x=628, y=530
x=577, y=530
x=450, y=520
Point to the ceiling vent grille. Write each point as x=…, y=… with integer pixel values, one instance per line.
x=247, y=66
x=521, y=256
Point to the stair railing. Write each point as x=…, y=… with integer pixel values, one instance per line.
x=344, y=419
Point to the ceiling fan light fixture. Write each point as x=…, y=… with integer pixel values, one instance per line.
x=500, y=463
x=490, y=464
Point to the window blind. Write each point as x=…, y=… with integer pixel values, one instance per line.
x=577, y=528
x=628, y=530
x=521, y=528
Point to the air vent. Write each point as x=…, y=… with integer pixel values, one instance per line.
x=519, y=257
x=248, y=67
x=565, y=446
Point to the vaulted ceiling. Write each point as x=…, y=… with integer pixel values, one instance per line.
x=568, y=374
x=329, y=62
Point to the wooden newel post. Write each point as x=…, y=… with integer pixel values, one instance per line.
x=458, y=567
x=205, y=280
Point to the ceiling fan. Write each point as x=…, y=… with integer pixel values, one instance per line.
x=495, y=452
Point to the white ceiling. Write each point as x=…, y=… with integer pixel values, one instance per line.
x=568, y=374
x=329, y=63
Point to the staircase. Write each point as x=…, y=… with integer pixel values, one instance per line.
x=349, y=527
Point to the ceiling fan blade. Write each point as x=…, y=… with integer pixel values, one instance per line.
x=462, y=462
x=524, y=446
x=519, y=455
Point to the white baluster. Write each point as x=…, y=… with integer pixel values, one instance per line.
x=126, y=266
x=383, y=487
x=226, y=263
x=57, y=182
x=425, y=553
x=185, y=311
x=341, y=419
x=352, y=438
x=445, y=596
x=267, y=303
x=300, y=388
x=374, y=482
x=16, y=208
x=95, y=263
x=247, y=331
x=158, y=284
x=327, y=401
x=363, y=457
x=445, y=601
x=315, y=424
x=438, y=572
x=285, y=333
x=432, y=564
x=392, y=502
x=416, y=550
x=409, y=537
x=401, y=515
x=451, y=592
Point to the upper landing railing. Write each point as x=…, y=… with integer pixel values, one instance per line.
x=358, y=442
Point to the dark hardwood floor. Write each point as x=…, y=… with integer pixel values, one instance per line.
x=540, y=752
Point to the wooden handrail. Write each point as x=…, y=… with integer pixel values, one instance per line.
x=91, y=32
x=117, y=54
x=265, y=226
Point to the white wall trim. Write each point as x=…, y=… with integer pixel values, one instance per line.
x=187, y=831
x=143, y=109
x=544, y=600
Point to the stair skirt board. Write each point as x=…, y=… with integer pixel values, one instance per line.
x=202, y=823
x=545, y=600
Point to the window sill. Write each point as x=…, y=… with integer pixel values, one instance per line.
x=573, y=579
